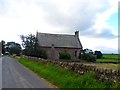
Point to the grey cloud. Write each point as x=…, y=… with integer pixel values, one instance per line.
x=82, y=14
x=107, y=50
x=105, y=33
x=76, y=19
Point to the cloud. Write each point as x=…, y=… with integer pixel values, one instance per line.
x=104, y=45
x=90, y=17
x=101, y=27
x=105, y=34
x=108, y=50
x=79, y=15
x=85, y=16
x=68, y=15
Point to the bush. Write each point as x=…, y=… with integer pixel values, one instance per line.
x=98, y=54
x=35, y=53
x=64, y=55
x=88, y=57
x=14, y=51
x=40, y=53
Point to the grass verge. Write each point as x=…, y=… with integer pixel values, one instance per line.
x=65, y=78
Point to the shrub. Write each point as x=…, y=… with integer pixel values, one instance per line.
x=98, y=54
x=35, y=53
x=40, y=53
x=64, y=55
x=88, y=57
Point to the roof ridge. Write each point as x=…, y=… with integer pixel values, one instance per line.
x=56, y=34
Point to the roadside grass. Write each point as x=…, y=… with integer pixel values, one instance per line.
x=64, y=78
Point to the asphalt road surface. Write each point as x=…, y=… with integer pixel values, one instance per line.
x=15, y=75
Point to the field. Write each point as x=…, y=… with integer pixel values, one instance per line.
x=114, y=58
x=104, y=65
x=108, y=61
x=63, y=78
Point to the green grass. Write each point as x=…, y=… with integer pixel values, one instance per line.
x=64, y=78
x=108, y=56
x=107, y=60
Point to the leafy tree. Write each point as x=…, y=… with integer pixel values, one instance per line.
x=88, y=51
x=32, y=48
x=29, y=41
x=85, y=51
x=3, y=46
x=87, y=55
x=13, y=48
x=98, y=54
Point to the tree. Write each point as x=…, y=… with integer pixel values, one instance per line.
x=13, y=48
x=32, y=48
x=98, y=54
x=3, y=46
x=86, y=51
x=87, y=55
x=29, y=42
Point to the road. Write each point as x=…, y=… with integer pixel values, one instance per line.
x=15, y=75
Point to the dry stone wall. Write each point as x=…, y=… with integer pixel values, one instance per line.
x=101, y=74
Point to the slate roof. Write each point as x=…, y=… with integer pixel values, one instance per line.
x=59, y=40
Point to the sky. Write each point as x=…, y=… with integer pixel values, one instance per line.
x=96, y=20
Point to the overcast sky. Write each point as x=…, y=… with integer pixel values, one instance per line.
x=96, y=20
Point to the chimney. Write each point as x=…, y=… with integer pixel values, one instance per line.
x=77, y=34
